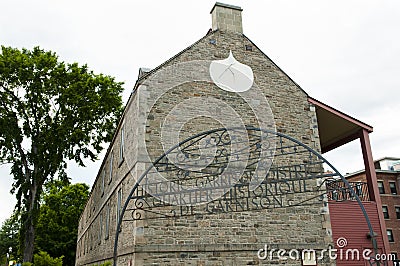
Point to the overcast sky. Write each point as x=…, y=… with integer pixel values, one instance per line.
x=344, y=53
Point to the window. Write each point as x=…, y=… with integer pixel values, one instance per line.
x=90, y=209
x=87, y=242
x=385, y=212
x=249, y=48
x=84, y=244
x=100, y=228
x=390, y=235
x=119, y=202
x=393, y=189
x=91, y=237
x=122, y=145
x=397, y=212
x=107, y=221
x=111, y=168
x=103, y=177
x=381, y=188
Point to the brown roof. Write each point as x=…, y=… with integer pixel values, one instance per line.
x=335, y=127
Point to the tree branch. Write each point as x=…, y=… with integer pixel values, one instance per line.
x=20, y=105
x=24, y=161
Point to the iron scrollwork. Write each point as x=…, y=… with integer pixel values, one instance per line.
x=288, y=174
x=195, y=171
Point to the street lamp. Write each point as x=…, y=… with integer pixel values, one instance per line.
x=9, y=255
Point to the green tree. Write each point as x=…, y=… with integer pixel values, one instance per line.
x=57, y=228
x=9, y=238
x=50, y=112
x=44, y=259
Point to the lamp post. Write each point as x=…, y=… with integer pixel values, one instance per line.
x=9, y=255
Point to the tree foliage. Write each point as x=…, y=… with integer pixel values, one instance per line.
x=9, y=238
x=44, y=259
x=50, y=112
x=57, y=227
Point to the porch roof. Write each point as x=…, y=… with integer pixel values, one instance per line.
x=335, y=127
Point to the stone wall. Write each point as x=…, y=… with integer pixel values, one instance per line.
x=217, y=239
x=227, y=18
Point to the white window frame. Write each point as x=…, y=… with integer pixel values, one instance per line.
x=395, y=187
x=387, y=211
x=395, y=210
x=383, y=187
x=391, y=234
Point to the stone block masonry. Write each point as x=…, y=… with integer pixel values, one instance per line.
x=227, y=18
x=211, y=239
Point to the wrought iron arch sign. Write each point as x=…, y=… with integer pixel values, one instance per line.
x=296, y=168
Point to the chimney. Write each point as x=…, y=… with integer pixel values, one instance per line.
x=227, y=18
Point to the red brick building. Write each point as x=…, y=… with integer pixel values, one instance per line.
x=388, y=178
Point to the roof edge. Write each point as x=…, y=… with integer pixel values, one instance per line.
x=341, y=114
x=170, y=59
x=377, y=171
x=280, y=69
x=137, y=83
x=226, y=5
x=387, y=158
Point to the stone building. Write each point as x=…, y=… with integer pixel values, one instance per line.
x=204, y=87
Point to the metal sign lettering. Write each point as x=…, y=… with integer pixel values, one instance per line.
x=292, y=175
x=190, y=187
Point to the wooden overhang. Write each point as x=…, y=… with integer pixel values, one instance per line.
x=335, y=127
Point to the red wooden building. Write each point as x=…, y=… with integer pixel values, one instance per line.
x=349, y=227
x=388, y=176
